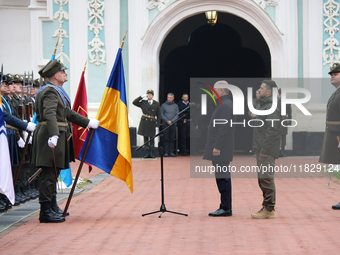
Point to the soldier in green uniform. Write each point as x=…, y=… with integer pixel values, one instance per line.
x=51, y=147
x=150, y=119
x=330, y=152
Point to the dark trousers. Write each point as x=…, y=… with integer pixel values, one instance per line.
x=183, y=131
x=266, y=181
x=283, y=142
x=223, y=182
x=150, y=145
x=48, y=184
x=169, y=139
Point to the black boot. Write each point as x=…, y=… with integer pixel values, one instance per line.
x=147, y=155
x=26, y=192
x=151, y=155
x=18, y=195
x=47, y=215
x=35, y=192
x=55, y=207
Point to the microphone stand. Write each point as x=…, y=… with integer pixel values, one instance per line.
x=161, y=153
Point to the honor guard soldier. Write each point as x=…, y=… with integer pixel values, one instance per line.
x=51, y=143
x=150, y=119
x=330, y=153
x=12, y=125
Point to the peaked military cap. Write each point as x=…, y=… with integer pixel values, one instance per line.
x=6, y=79
x=36, y=83
x=149, y=91
x=52, y=68
x=335, y=68
x=18, y=78
x=9, y=76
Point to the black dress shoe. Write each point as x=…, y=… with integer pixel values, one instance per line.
x=166, y=154
x=221, y=212
x=172, y=155
x=336, y=207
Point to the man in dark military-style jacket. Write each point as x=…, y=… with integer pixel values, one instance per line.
x=330, y=152
x=150, y=119
x=51, y=147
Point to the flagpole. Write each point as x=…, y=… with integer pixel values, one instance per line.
x=55, y=50
x=84, y=156
x=122, y=44
x=85, y=66
x=78, y=173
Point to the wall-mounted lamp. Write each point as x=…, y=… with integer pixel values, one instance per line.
x=211, y=17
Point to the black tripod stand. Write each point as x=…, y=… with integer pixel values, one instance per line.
x=161, y=153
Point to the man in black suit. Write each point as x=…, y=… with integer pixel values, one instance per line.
x=184, y=124
x=219, y=148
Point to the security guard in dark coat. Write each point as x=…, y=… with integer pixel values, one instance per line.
x=330, y=152
x=150, y=119
x=51, y=148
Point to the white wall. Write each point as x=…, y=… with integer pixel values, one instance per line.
x=15, y=39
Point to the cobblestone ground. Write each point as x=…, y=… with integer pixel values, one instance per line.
x=107, y=218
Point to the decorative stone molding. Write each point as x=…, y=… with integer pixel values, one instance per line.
x=159, y=4
x=265, y=3
x=61, y=33
x=96, y=24
x=331, y=51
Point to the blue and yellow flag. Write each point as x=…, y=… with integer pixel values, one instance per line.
x=110, y=146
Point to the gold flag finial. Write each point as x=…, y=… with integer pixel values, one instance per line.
x=122, y=44
x=85, y=66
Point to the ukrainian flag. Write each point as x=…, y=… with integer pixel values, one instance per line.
x=110, y=148
x=6, y=180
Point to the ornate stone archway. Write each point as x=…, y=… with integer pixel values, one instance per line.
x=182, y=9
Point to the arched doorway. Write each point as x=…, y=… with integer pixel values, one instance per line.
x=233, y=48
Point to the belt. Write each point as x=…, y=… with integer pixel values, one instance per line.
x=149, y=116
x=11, y=127
x=62, y=124
x=332, y=122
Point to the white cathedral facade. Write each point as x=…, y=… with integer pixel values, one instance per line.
x=301, y=37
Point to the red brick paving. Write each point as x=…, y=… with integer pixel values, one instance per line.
x=107, y=219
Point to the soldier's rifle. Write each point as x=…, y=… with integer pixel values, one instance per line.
x=21, y=103
x=29, y=105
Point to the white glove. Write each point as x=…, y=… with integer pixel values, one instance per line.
x=339, y=145
x=21, y=143
x=157, y=130
x=144, y=95
x=25, y=134
x=93, y=124
x=52, y=141
x=31, y=126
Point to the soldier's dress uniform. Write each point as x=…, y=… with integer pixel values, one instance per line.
x=330, y=152
x=149, y=121
x=53, y=114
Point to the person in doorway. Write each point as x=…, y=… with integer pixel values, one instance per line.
x=169, y=113
x=150, y=120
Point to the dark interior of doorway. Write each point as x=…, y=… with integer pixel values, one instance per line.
x=233, y=48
